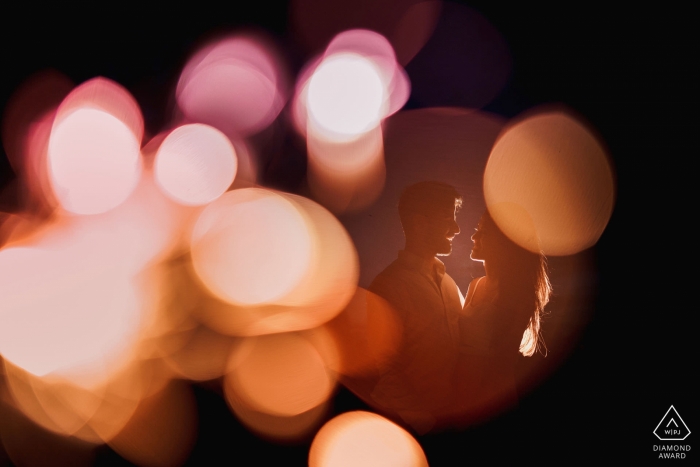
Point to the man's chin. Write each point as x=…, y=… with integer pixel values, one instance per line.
x=445, y=252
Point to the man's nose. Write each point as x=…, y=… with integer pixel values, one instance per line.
x=455, y=228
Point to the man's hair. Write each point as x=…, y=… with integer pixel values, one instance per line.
x=427, y=197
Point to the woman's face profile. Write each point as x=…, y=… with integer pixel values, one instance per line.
x=485, y=240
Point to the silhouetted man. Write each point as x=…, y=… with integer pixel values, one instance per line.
x=418, y=385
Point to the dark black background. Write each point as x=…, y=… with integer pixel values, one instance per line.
x=627, y=71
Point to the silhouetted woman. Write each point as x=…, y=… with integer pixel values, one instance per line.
x=500, y=321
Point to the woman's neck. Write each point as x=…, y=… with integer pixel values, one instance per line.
x=496, y=272
x=492, y=272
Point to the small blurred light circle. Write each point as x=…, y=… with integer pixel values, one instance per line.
x=364, y=439
x=195, y=164
x=234, y=84
x=94, y=161
x=346, y=94
x=280, y=374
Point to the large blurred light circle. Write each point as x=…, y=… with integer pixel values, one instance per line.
x=195, y=164
x=364, y=439
x=548, y=184
x=346, y=94
x=251, y=246
x=367, y=334
x=324, y=289
x=65, y=315
x=94, y=161
x=332, y=276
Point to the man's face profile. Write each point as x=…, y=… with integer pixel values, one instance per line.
x=445, y=228
x=428, y=212
x=436, y=229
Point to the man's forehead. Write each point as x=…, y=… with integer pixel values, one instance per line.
x=433, y=206
x=442, y=210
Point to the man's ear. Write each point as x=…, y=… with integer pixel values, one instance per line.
x=413, y=225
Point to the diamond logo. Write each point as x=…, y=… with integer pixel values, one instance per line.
x=671, y=427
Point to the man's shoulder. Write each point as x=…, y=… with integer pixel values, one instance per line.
x=383, y=280
x=395, y=274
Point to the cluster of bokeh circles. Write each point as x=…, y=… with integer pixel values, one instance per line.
x=142, y=262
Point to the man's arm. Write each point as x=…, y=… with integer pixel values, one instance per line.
x=396, y=389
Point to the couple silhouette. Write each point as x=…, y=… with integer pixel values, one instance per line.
x=456, y=360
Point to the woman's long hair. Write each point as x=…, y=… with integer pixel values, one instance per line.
x=525, y=277
x=542, y=289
